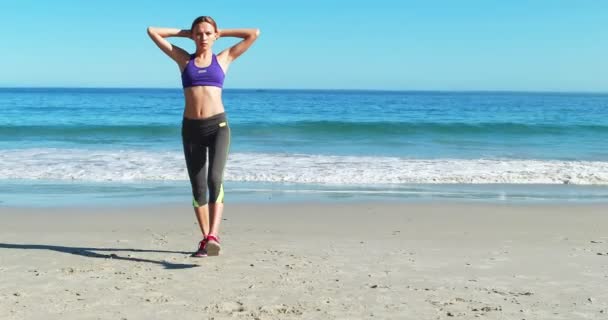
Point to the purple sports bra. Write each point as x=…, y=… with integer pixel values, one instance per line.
x=212, y=75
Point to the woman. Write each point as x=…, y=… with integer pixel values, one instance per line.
x=205, y=128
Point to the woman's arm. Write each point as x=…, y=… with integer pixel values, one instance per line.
x=176, y=53
x=248, y=35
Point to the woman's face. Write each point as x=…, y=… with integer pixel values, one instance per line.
x=204, y=35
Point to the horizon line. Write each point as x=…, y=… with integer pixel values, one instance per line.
x=321, y=89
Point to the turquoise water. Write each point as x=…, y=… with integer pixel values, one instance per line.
x=91, y=145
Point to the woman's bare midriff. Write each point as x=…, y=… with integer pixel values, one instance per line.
x=203, y=102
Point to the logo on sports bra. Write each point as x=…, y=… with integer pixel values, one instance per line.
x=202, y=71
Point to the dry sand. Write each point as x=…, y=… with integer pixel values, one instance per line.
x=308, y=261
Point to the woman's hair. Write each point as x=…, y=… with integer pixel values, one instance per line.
x=202, y=19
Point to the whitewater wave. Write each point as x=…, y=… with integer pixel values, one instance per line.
x=133, y=165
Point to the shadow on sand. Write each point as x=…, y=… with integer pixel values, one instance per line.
x=90, y=252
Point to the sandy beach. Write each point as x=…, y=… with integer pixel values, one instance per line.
x=308, y=261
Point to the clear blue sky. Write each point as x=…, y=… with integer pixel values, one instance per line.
x=528, y=45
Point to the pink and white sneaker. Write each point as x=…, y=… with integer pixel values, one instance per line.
x=213, y=246
x=201, y=252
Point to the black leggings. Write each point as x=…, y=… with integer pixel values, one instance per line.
x=198, y=136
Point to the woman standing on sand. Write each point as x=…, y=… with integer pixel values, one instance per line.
x=205, y=127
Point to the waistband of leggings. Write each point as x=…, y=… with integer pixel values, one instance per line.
x=209, y=121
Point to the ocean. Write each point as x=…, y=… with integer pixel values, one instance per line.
x=68, y=146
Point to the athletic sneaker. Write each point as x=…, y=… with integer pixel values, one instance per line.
x=213, y=246
x=201, y=252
